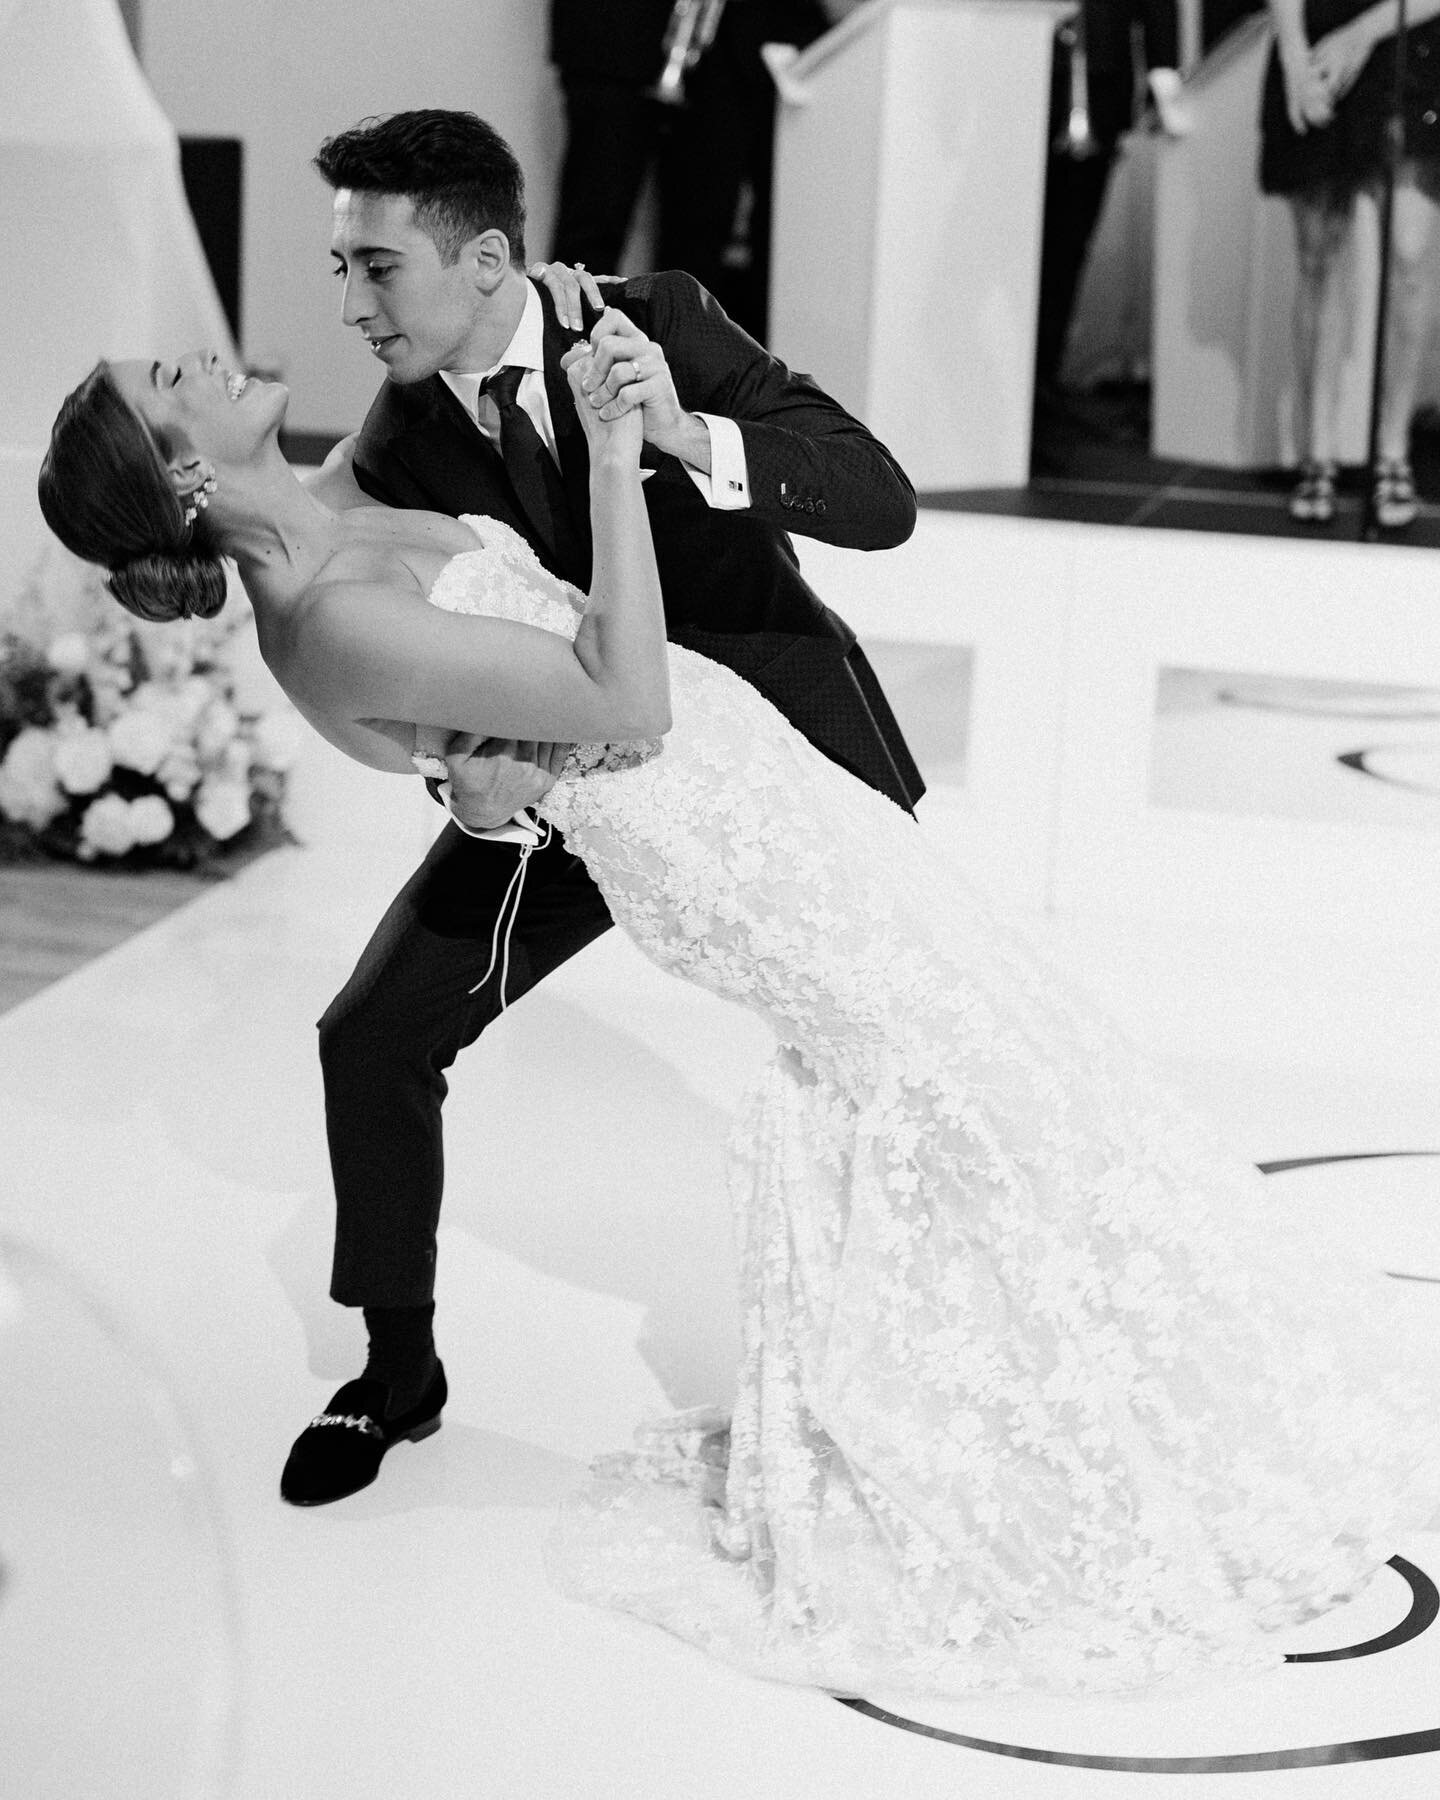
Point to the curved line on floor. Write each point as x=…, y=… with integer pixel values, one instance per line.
x=1355, y=759
x=1311, y=1756
x=1424, y=1607
x=1313, y=1162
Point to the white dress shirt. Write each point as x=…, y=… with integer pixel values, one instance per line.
x=726, y=487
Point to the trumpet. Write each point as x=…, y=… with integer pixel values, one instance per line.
x=689, y=34
x=1076, y=138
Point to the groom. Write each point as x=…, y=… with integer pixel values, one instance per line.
x=475, y=416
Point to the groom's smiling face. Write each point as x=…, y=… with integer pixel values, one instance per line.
x=417, y=312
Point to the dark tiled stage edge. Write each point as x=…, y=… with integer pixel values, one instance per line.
x=1091, y=466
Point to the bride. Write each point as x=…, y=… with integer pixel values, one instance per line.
x=1029, y=1396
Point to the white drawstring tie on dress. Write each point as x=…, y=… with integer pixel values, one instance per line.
x=507, y=914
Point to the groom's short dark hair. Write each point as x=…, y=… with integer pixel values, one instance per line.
x=460, y=173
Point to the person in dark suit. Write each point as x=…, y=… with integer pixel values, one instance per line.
x=607, y=56
x=713, y=153
x=476, y=417
x=1078, y=175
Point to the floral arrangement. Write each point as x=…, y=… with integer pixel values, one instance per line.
x=125, y=742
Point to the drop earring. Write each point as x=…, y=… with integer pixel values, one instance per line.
x=199, y=498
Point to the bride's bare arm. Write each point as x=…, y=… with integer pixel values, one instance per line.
x=373, y=652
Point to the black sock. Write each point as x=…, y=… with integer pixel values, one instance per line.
x=402, y=1351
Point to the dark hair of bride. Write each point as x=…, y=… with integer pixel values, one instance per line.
x=460, y=173
x=106, y=494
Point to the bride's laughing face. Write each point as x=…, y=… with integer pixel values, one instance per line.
x=417, y=312
x=198, y=404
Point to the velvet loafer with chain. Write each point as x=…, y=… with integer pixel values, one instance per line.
x=340, y=1451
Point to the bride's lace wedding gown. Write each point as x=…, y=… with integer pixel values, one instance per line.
x=1030, y=1394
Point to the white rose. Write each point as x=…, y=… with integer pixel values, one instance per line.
x=106, y=829
x=278, y=736
x=69, y=654
x=151, y=819
x=223, y=807
x=140, y=737
x=215, y=728
x=29, y=791
x=83, y=761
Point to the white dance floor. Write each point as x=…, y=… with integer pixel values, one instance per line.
x=169, y=1628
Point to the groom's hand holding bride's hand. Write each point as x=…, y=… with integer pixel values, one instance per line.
x=630, y=368
x=492, y=779
x=629, y=372
x=612, y=429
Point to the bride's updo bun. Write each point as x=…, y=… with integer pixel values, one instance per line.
x=106, y=494
x=162, y=587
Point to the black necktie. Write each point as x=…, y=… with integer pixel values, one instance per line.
x=532, y=471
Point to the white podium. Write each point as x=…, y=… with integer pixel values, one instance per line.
x=910, y=174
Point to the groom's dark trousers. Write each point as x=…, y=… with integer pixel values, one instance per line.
x=732, y=591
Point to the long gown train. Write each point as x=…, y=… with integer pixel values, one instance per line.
x=1030, y=1395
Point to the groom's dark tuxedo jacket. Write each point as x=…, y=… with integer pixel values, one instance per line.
x=731, y=582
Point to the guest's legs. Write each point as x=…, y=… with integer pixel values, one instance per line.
x=1322, y=224
x=1412, y=311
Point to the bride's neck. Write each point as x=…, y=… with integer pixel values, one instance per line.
x=280, y=535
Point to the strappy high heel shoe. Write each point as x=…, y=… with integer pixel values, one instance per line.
x=1312, y=501
x=1396, y=502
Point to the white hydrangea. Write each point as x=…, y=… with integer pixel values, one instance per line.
x=107, y=828
x=236, y=762
x=83, y=759
x=151, y=819
x=30, y=792
x=190, y=698
x=140, y=738
x=69, y=654
x=215, y=729
x=180, y=771
x=222, y=807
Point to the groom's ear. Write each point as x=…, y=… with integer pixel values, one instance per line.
x=487, y=257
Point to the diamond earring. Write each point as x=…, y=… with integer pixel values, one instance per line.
x=200, y=498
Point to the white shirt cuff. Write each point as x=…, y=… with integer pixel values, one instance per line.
x=727, y=487
x=522, y=829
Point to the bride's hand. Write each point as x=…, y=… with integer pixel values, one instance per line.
x=619, y=438
x=569, y=288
